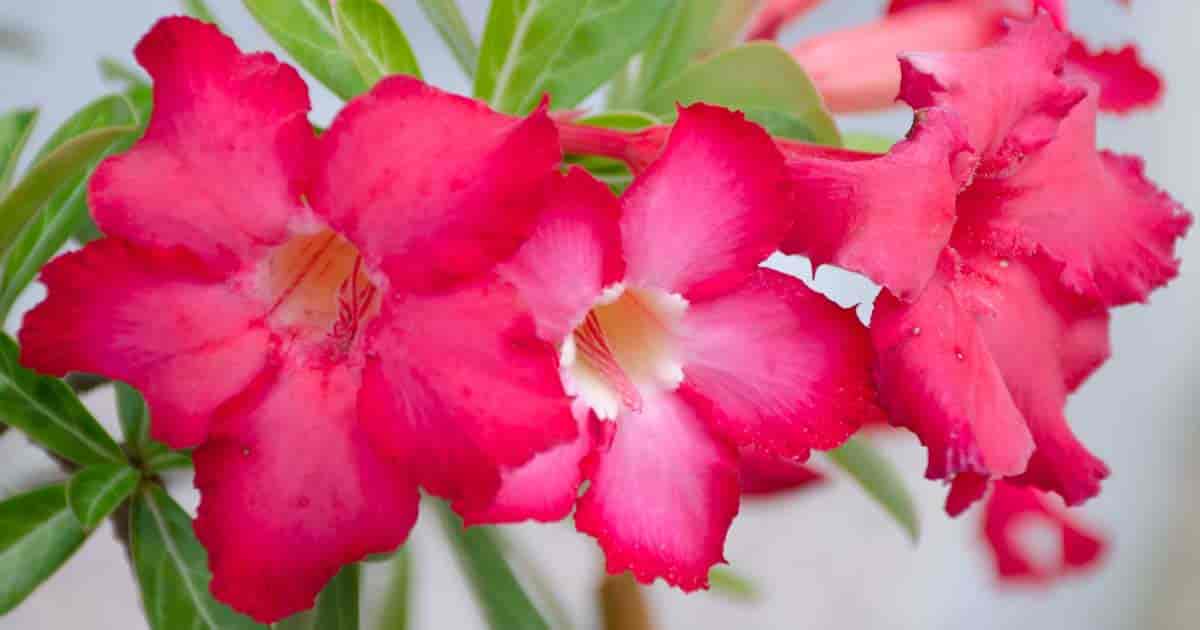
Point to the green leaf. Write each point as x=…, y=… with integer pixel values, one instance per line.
x=94, y=492
x=199, y=10
x=724, y=581
x=626, y=120
x=172, y=568
x=38, y=533
x=757, y=77
x=504, y=602
x=51, y=174
x=135, y=426
x=337, y=605
x=397, y=604
x=679, y=37
x=448, y=20
x=373, y=40
x=880, y=480
x=566, y=48
x=306, y=30
x=65, y=210
x=117, y=71
x=15, y=127
x=869, y=142
x=50, y=413
x=133, y=414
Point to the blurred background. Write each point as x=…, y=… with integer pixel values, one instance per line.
x=823, y=558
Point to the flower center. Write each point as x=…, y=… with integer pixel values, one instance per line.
x=320, y=289
x=625, y=346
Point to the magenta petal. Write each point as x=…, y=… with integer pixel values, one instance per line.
x=1125, y=82
x=459, y=385
x=159, y=320
x=1045, y=341
x=293, y=489
x=768, y=476
x=937, y=378
x=1011, y=95
x=711, y=208
x=573, y=253
x=1012, y=507
x=432, y=187
x=1113, y=231
x=873, y=217
x=662, y=495
x=544, y=488
x=778, y=366
x=223, y=162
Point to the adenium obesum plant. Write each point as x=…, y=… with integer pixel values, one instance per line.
x=434, y=295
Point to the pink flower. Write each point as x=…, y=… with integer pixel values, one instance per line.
x=855, y=69
x=319, y=318
x=1002, y=307
x=679, y=349
x=1018, y=522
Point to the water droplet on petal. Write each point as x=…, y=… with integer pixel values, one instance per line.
x=959, y=356
x=245, y=452
x=916, y=331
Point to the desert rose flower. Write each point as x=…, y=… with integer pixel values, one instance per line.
x=855, y=69
x=1044, y=238
x=679, y=349
x=318, y=318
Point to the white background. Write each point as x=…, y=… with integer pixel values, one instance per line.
x=827, y=559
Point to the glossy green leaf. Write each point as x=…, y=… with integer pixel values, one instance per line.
x=504, y=602
x=337, y=605
x=94, y=492
x=38, y=533
x=199, y=10
x=172, y=568
x=15, y=127
x=680, y=36
x=783, y=124
x=51, y=174
x=728, y=25
x=66, y=209
x=306, y=30
x=50, y=413
x=724, y=581
x=757, y=77
x=448, y=20
x=373, y=40
x=135, y=426
x=880, y=480
x=397, y=603
x=566, y=48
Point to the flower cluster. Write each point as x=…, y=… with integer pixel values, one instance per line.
x=421, y=297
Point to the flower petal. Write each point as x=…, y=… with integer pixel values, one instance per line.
x=936, y=378
x=224, y=160
x=965, y=490
x=160, y=320
x=1125, y=82
x=768, y=476
x=1011, y=95
x=433, y=188
x=778, y=366
x=1009, y=509
x=573, y=253
x=292, y=489
x=709, y=209
x=873, y=217
x=1113, y=232
x=662, y=495
x=1045, y=341
x=544, y=488
x=460, y=386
